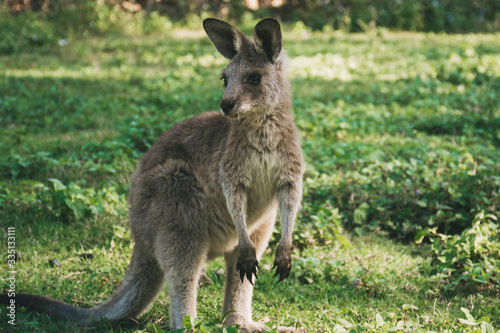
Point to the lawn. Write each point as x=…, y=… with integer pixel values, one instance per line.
x=401, y=134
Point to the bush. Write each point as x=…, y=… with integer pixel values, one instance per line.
x=473, y=257
x=71, y=201
x=63, y=19
x=55, y=24
x=422, y=15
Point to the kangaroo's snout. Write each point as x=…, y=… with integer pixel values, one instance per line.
x=227, y=106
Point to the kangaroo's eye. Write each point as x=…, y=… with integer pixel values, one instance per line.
x=255, y=79
x=225, y=80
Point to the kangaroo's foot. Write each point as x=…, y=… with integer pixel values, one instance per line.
x=252, y=327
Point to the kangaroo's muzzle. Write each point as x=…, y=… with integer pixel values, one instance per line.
x=227, y=108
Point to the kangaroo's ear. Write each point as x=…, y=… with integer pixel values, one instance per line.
x=226, y=38
x=267, y=38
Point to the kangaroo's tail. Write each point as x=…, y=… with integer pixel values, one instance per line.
x=140, y=287
x=46, y=304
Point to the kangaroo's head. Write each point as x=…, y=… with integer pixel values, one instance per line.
x=255, y=79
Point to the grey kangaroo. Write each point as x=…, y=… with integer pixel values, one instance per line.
x=211, y=186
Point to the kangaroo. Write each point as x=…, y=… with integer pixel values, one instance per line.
x=211, y=186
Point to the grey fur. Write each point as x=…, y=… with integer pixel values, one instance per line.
x=211, y=186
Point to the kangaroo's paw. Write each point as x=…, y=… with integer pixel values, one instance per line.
x=282, y=263
x=247, y=265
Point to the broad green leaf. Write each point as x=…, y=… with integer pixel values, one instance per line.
x=188, y=322
x=379, y=319
x=419, y=237
x=467, y=314
x=443, y=207
x=78, y=207
x=421, y=203
x=409, y=306
x=487, y=328
x=58, y=185
x=32, y=183
x=196, y=321
x=467, y=322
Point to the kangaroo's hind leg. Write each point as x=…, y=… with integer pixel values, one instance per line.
x=238, y=294
x=181, y=238
x=183, y=267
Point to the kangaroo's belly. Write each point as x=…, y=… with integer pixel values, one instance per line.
x=223, y=235
x=260, y=208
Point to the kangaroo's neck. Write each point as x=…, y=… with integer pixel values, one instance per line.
x=264, y=129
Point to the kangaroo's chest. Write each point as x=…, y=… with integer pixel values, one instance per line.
x=263, y=175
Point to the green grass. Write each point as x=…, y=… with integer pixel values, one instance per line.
x=401, y=133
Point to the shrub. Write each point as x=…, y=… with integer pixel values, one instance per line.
x=473, y=257
x=71, y=201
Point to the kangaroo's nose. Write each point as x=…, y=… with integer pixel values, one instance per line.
x=226, y=106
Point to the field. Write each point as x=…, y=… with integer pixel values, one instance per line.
x=401, y=133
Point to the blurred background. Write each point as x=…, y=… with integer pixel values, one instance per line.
x=64, y=18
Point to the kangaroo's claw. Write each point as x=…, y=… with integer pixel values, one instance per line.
x=283, y=268
x=247, y=268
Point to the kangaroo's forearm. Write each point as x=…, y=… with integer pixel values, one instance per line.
x=236, y=203
x=289, y=197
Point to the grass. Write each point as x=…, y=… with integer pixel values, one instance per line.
x=400, y=133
